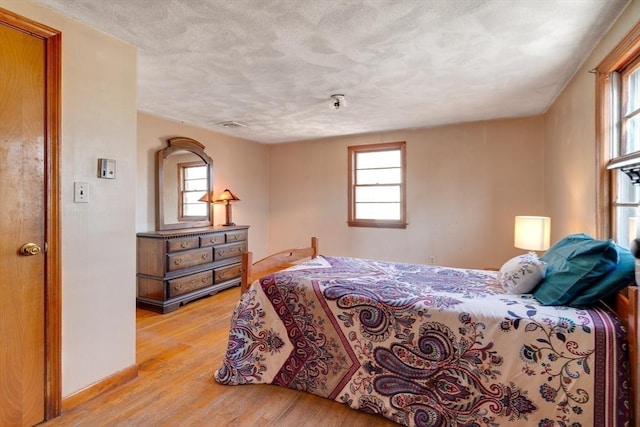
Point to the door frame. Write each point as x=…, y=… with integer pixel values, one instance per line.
x=52, y=281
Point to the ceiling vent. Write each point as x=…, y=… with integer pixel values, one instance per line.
x=231, y=125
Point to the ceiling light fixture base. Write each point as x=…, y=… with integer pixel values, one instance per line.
x=337, y=101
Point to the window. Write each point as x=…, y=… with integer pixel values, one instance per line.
x=193, y=185
x=377, y=185
x=618, y=133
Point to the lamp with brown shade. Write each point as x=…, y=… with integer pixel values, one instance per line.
x=227, y=197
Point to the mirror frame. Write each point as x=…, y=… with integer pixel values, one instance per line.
x=181, y=143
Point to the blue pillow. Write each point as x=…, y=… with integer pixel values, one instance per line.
x=573, y=265
x=622, y=275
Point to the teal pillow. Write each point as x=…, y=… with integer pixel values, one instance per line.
x=622, y=275
x=573, y=265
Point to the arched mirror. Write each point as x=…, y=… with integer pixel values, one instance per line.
x=185, y=178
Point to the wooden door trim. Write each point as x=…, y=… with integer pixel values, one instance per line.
x=53, y=298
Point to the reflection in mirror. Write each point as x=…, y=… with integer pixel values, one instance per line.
x=193, y=187
x=185, y=181
x=185, y=175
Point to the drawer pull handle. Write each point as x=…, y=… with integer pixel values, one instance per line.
x=205, y=255
x=177, y=287
x=177, y=261
x=184, y=244
x=204, y=280
x=213, y=240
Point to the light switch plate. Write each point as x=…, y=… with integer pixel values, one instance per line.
x=81, y=192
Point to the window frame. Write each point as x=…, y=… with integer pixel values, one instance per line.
x=353, y=150
x=626, y=52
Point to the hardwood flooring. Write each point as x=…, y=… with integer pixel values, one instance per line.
x=177, y=354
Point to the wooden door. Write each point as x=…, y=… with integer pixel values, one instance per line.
x=25, y=228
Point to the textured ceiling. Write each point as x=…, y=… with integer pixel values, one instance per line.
x=273, y=64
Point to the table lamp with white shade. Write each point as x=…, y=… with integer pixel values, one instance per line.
x=532, y=233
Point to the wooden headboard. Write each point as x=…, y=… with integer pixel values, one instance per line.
x=252, y=271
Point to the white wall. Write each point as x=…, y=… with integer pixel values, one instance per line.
x=98, y=238
x=465, y=184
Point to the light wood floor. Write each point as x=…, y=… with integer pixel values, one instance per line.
x=177, y=354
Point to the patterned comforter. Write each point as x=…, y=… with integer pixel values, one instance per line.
x=427, y=346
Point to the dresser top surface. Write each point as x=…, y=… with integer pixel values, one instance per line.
x=163, y=234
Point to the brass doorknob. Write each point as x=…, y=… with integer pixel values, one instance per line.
x=29, y=249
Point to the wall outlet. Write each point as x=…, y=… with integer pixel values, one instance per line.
x=81, y=192
x=432, y=260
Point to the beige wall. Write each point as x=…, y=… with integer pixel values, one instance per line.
x=238, y=164
x=570, y=148
x=98, y=238
x=465, y=184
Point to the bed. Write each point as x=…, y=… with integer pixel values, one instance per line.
x=427, y=345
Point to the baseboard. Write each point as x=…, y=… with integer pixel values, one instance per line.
x=91, y=391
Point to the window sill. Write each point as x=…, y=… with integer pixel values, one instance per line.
x=377, y=224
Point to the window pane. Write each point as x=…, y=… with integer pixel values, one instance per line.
x=193, y=197
x=378, y=176
x=378, y=193
x=195, y=172
x=633, y=92
x=378, y=159
x=196, y=209
x=627, y=192
x=196, y=185
x=632, y=133
x=627, y=225
x=378, y=211
x=627, y=219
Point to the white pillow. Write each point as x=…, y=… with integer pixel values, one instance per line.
x=521, y=274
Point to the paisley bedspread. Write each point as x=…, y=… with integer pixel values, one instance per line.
x=427, y=346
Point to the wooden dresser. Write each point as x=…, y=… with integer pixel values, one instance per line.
x=178, y=266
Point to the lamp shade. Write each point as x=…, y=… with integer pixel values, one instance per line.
x=206, y=197
x=227, y=196
x=532, y=233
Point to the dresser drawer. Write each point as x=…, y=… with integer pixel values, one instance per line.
x=212, y=239
x=183, y=244
x=237, y=236
x=181, y=260
x=226, y=273
x=190, y=283
x=229, y=250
